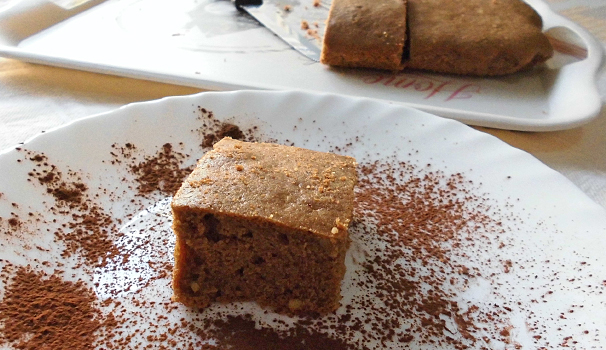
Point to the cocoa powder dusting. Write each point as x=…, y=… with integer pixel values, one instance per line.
x=44, y=312
x=420, y=218
x=241, y=332
x=161, y=171
x=88, y=232
x=164, y=171
x=421, y=238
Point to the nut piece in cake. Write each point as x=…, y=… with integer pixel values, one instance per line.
x=266, y=223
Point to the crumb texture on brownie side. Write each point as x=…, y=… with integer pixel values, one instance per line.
x=263, y=222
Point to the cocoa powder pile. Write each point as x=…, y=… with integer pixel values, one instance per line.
x=212, y=130
x=45, y=312
x=225, y=130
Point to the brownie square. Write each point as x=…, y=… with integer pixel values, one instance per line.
x=264, y=222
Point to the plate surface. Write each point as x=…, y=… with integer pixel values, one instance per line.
x=210, y=45
x=459, y=239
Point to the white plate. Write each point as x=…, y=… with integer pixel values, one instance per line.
x=208, y=44
x=531, y=273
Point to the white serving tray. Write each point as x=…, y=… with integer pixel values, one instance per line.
x=208, y=44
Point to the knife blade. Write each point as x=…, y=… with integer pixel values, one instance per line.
x=273, y=19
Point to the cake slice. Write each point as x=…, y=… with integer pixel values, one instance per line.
x=266, y=223
x=362, y=33
x=475, y=37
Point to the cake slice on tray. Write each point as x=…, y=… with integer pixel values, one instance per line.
x=475, y=37
x=470, y=37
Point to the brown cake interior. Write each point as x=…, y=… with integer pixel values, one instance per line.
x=242, y=260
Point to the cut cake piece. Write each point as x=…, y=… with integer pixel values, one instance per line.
x=362, y=33
x=475, y=37
x=266, y=223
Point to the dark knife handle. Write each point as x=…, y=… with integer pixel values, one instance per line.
x=240, y=3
